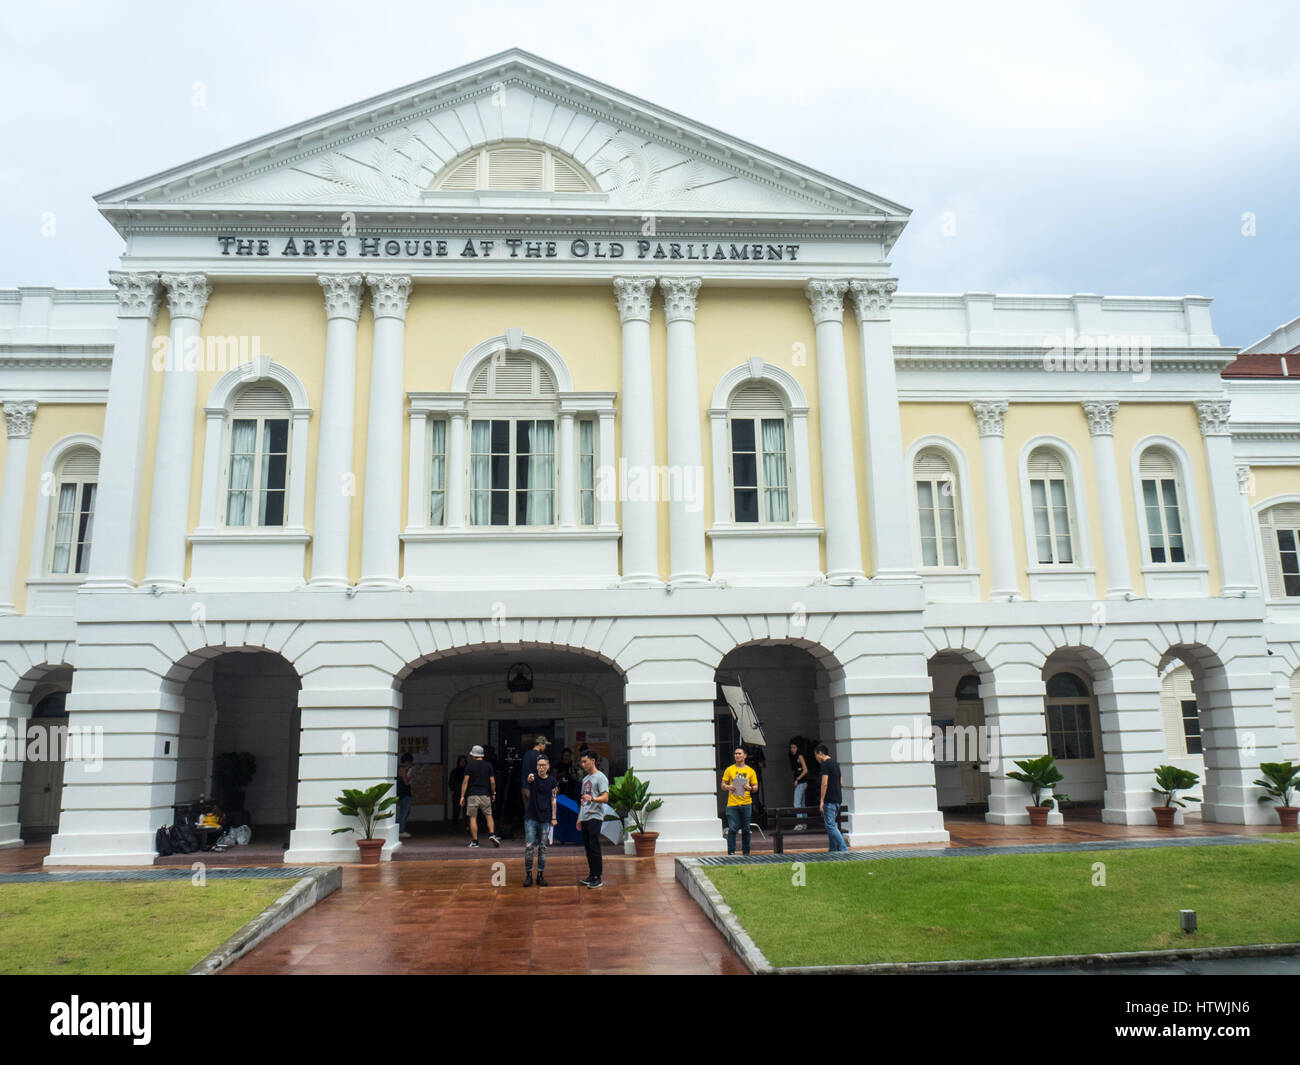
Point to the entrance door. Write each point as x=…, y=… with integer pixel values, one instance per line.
x=974, y=781
x=41, y=795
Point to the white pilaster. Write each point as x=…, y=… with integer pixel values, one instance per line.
x=169, y=507
x=567, y=460
x=685, y=457
x=19, y=415
x=417, y=496
x=456, y=470
x=1231, y=514
x=382, y=516
x=1101, y=424
x=989, y=418
x=839, y=476
x=121, y=459
x=1132, y=735
x=640, y=513
x=887, y=478
x=607, y=475
x=1013, y=704
x=335, y=479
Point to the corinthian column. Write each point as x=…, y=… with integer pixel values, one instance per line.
x=989, y=419
x=685, y=452
x=839, y=475
x=169, y=508
x=335, y=481
x=121, y=459
x=1231, y=524
x=640, y=514
x=382, y=517
x=19, y=415
x=1101, y=424
x=888, y=480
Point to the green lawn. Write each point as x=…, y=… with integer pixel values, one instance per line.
x=120, y=928
x=932, y=909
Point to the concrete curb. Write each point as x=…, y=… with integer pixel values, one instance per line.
x=690, y=874
x=304, y=894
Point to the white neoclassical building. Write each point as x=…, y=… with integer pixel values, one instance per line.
x=509, y=366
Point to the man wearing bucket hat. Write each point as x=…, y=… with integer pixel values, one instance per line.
x=478, y=791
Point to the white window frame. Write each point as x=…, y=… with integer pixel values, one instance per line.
x=1075, y=580
x=1171, y=579
x=524, y=410
x=257, y=489
x=762, y=487
x=40, y=570
x=1051, y=702
x=950, y=487
x=1264, y=545
x=946, y=583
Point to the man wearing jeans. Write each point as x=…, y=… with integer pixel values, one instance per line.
x=738, y=781
x=595, y=794
x=832, y=798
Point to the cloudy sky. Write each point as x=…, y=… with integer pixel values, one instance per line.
x=1123, y=148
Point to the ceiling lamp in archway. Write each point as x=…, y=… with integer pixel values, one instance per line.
x=519, y=682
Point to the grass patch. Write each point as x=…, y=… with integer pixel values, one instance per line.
x=162, y=927
x=936, y=909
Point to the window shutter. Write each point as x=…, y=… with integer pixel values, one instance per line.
x=1045, y=463
x=465, y=176
x=261, y=398
x=932, y=465
x=517, y=375
x=81, y=464
x=1295, y=701
x=1174, y=688
x=1272, y=559
x=756, y=398
x=1157, y=463
x=567, y=179
x=516, y=168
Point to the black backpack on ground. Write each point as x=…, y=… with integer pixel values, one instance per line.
x=184, y=839
x=162, y=842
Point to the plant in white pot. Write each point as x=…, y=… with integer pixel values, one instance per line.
x=369, y=807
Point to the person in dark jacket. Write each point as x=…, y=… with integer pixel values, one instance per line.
x=453, y=785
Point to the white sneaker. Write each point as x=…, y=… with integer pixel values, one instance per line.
x=800, y=828
x=404, y=835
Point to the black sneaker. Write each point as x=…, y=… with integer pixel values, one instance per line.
x=541, y=880
x=594, y=883
x=473, y=843
x=585, y=882
x=528, y=880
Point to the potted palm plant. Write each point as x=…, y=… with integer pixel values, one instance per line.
x=1040, y=775
x=630, y=798
x=369, y=807
x=1279, y=781
x=1169, y=781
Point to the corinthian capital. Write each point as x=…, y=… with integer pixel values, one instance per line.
x=389, y=294
x=633, y=295
x=990, y=416
x=873, y=297
x=187, y=294
x=137, y=293
x=827, y=300
x=1213, y=415
x=1101, y=416
x=679, y=297
x=342, y=295
x=19, y=415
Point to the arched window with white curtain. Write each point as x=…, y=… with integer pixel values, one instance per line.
x=77, y=480
x=513, y=411
x=936, y=509
x=257, y=457
x=1279, y=528
x=1049, y=501
x=1162, y=495
x=760, y=456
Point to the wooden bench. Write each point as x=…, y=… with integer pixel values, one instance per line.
x=782, y=820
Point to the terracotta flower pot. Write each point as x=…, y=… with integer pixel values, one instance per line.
x=1038, y=815
x=645, y=843
x=370, y=849
x=1164, y=816
x=1287, y=815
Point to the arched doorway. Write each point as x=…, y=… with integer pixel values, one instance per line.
x=1074, y=725
x=463, y=698
x=237, y=704
x=961, y=742
x=42, y=743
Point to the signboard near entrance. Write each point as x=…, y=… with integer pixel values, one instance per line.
x=424, y=743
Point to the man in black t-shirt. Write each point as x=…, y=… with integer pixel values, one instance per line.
x=529, y=770
x=832, y=797
x=478, y=791
x=540, y=816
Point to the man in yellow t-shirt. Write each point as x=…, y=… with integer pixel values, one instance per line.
x=738, y=781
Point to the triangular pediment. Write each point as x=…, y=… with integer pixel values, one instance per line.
x=388, y=152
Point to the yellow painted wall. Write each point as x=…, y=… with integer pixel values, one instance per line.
x=1273, y=481
x=53, y=422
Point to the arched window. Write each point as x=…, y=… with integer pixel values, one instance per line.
x=1279, y=528
x=968, y=688
x=515, y=166
x=513, y=410
x=760, y=455
x=1162, y=494
x=1049, y=500
x=77, y=478
x=1069, y=717
x=936, y=508
x=257, y=457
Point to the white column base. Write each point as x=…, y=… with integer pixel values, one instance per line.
x=379, y=584
x=641, y=580
x=329, y=583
